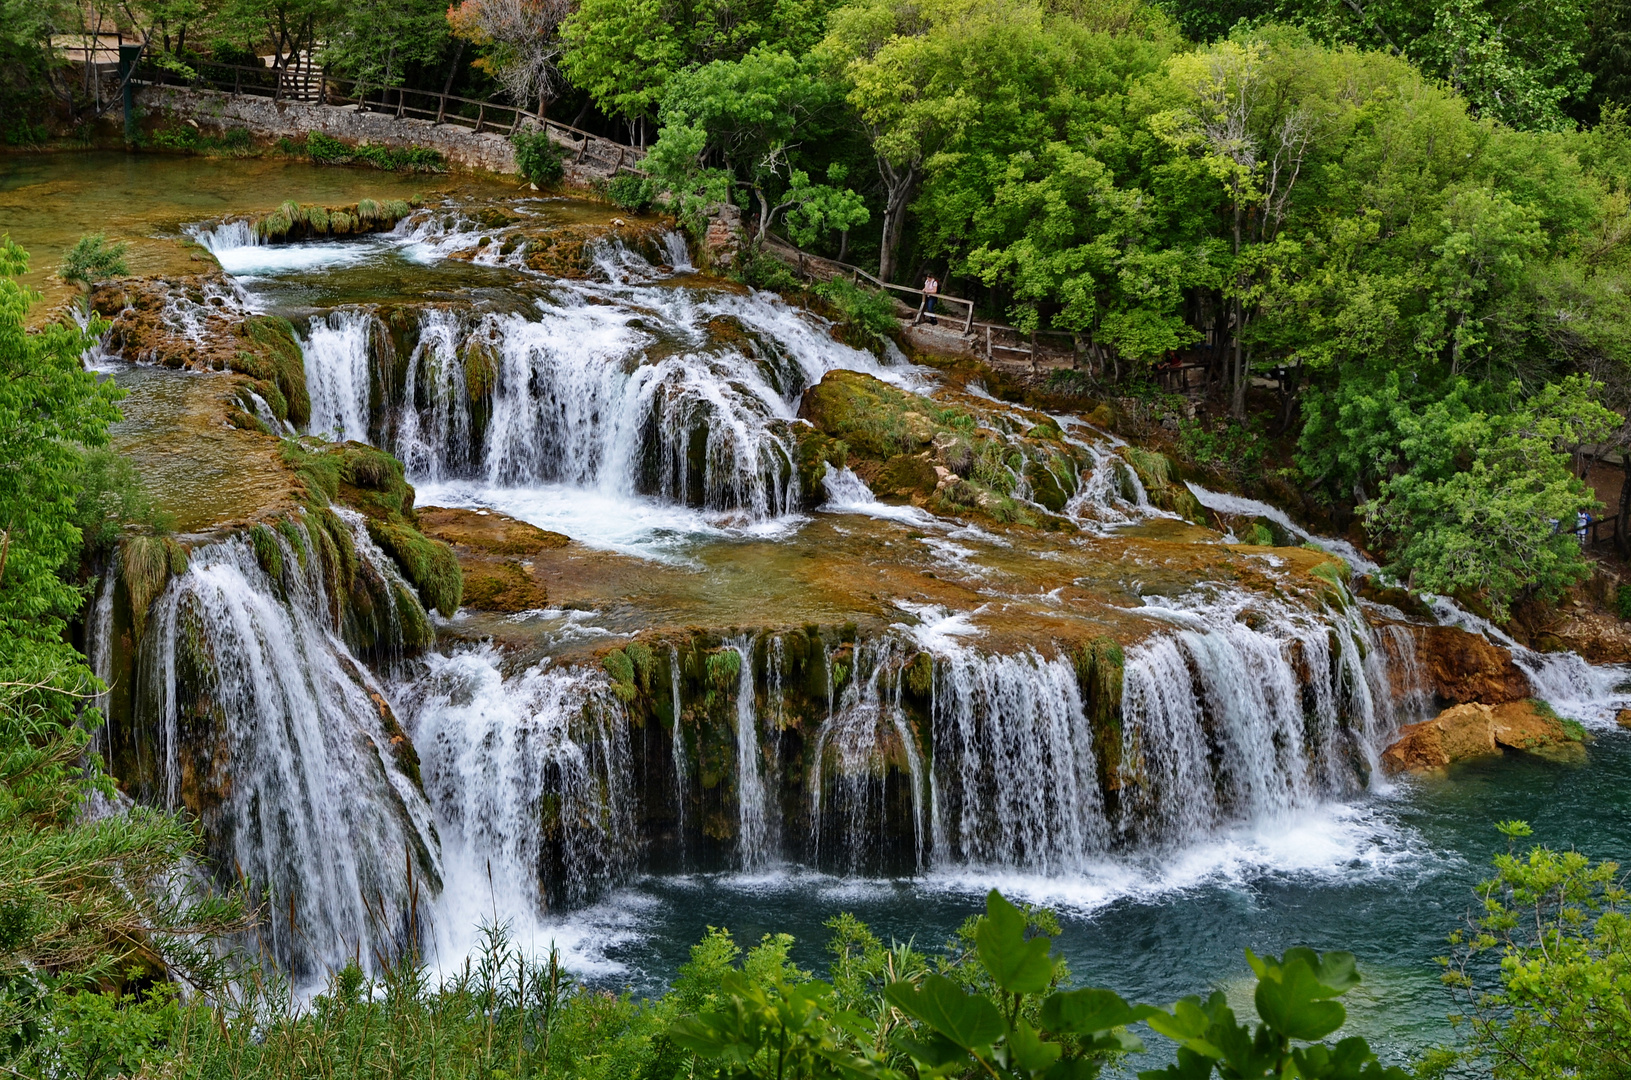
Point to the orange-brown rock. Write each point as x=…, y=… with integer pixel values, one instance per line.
x=494, y=553
x=1475, y=730
x=1519, y=725
x=1623, y=718
x=1460, y=667
x=1460, y=732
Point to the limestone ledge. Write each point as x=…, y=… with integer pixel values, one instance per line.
x=1474, y=730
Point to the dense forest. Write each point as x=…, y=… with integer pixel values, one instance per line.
x=1419, y=213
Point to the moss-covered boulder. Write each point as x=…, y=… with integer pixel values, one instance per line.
x=294, y=221
x=372, y=482
x=497, y=555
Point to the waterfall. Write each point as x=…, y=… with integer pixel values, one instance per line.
x=99, y=648
x=682, y=768
x=1563, y=679
x=338, y=373
x=690, y=402
x=282, y=744
x=225, y=236
x=531, y=782
x=1015, y=774
x=435, y=437
x=1245, y=709
x=755, y=840
x=679, y=255
x=849, y=790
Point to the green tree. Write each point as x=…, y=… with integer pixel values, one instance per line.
x=93, y=259
x=1558, y=1003
x=624, y=52
x=1485, y=501
x=750, y=116
x=84, y=896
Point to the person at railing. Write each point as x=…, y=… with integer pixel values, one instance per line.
x=931, y=289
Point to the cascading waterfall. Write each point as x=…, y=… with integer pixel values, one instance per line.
x=640, y=397
x=275, y=736
x=1016, y=779
x=99, y=647
x=755, y=824
x=338, y=374
x=849, y=790
x=682, y=767
x=436, y=438
x=531, y=781
x=1245, y=709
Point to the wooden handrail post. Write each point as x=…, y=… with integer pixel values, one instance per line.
x=481, y=115
x=968, y=323
x=441, y=107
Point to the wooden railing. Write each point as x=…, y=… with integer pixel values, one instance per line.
x=986, y=337
x=321, y=87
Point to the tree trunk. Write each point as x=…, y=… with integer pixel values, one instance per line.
x=453, y=68
x=898, y=187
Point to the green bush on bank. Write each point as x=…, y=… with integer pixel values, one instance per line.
x=537, y=157
x=324, y=149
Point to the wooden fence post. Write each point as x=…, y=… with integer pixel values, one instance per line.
x=481, y=115
x=441, y=107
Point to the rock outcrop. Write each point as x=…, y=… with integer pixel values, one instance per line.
x=495, y=553
x=1461, y=667
x=1475, y=730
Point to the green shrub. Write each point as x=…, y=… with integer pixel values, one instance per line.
x=866, y=309
x=537, y=157
x=1231, y=449
x=631, y=192
x=759, y=269
x=1622, y=601
x=325, y=149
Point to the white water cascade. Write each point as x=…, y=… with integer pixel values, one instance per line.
x=531, y=784
x=686, y=397
x=338, y=373
x=756, y=819
x=276, y=737
x=1015, y=777
x=849, y=789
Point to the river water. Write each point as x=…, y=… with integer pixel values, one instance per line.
x=650, y=415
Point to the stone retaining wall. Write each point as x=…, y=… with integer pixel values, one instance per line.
x=488, y=151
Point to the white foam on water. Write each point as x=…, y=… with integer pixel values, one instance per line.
x=629, y=525
x=1330, y=844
